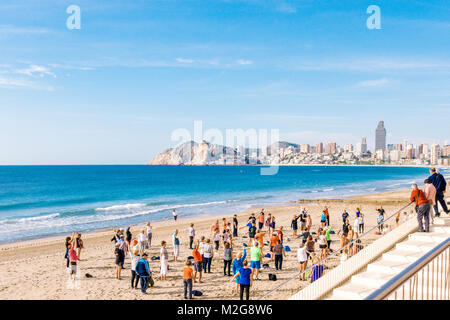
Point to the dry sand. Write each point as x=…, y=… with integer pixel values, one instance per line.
x=37, y=269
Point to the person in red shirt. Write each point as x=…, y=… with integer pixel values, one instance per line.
x=187, y=279
x=327, y=214
x=422, y=207
x=198, y=263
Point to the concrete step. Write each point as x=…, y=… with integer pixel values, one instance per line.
x=416, y=245
x=374, y=279
x=352, y=291
x=402, y=255
x=442, y=221
x=387, y=266
x=434, y=237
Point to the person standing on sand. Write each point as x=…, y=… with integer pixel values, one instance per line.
x=134, y=258
x=422, y=207
x=118, y=252
x=322, y=240
x=143, y=269
x=261, y=220
x=323, y=219
x=129, y=236
x=187, y=279
x=175, y=214
x=149, y=234
x=440, y=184
x=79, y=245
x=245, y=280
x=198, y=263
x=191, y=231
x=280, y=234
x=278, y=252
x=237, y=265
x=361, y=223
x=227, y=258
x=294, y=226
x=252, y=231
x=345, y=216
x=142, y=241
x=327, y=213
x=164, y=259
x=73, y=258
x=302, y=258
x=235, y=226
x=66, y=255
x=273, y=242
x=217, y=238
x=176, y=246
x=430, y=193
x=255, y=259
x=208, y=253
x=328, y=236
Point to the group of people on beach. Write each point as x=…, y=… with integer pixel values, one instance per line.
x=261, y=231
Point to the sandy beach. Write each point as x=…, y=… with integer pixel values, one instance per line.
x=37, y=270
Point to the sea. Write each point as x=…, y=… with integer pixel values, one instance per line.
x=43, y=201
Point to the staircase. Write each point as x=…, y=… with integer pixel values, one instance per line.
x=392, y=262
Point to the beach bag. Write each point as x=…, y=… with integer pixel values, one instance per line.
x=87, y=275
x=155, y=258
x=245, y=237
x=190, y=258
x=197, y=293
x=245, y=245
x=151, y=283
x=265, y=265
x=287, y=249
x=308, y=274
x=267, y=255
x=272, y=277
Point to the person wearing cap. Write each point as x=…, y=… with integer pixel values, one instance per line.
x=120, y=258
x=143, y=270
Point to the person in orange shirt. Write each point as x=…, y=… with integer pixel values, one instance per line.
x=273, y=242
x=261, y=220
x=260, y=238
x=422, y=207
x=187, y=279
x=327, y=214
x=198, y=263
x=224, y=224
x=215, y=226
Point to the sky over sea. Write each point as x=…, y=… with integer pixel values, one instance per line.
x=113, y=91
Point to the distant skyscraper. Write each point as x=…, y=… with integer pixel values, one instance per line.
x=364, y=145
x=319, y=147
x=331, y=148
x=380, y=136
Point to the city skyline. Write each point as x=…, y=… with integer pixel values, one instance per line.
x=113, y=91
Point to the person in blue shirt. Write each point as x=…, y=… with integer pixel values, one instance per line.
x=245, y=280
x=143, y=269
x=237, y=265
x=440, y=184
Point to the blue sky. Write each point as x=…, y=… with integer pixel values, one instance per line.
x=112, y=92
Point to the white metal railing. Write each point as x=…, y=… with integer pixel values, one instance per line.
x=334, y=278
x=425, y=279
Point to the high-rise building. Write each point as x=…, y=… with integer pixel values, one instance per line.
x=304, y=148
x=364, y=145
x=446, y=152
x=435, y=153
x=331, y=147
x=380, y=136
x=319, y=147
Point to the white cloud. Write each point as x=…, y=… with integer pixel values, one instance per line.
x=183, y=60
x=11, y=83
x=373, y=83
x=33, y=70
x=244, y=62
x=13, y=30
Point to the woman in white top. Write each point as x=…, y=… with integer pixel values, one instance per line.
x=164, y=258
x=323, y=245
x=142, y=241
x=361, y=224
x=302, y=257
x=175, y=214
x=208, y=253
x=134, y=257
x=356, y=225
x=344, y=256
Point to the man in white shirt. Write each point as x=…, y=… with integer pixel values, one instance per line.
x=142, y=240
x=175, y=214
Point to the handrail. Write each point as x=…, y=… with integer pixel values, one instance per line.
x=332, y=254
x=393, y=284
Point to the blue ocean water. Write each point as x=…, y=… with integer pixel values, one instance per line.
x=38, y=201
